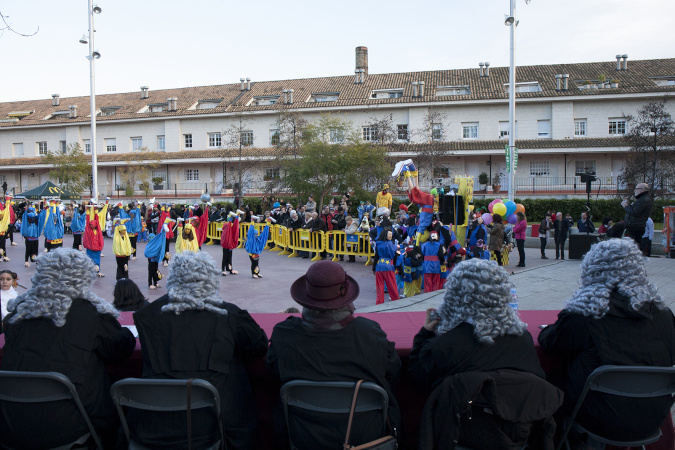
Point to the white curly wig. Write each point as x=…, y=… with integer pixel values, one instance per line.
x=478, y=292
x=61, y=276
x=613, y=265
x=193, y=284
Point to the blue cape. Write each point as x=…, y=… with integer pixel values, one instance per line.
x=254, y=243
x=29, y=224
x=79, y=222
x=156, y=248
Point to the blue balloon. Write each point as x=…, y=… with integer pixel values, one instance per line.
x=510, y=207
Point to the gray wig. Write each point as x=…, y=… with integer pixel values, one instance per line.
x=61, y=276
x=193, y=284
x=478, y=292
x=613, y=265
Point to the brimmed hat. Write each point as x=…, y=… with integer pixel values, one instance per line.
x=326, y=286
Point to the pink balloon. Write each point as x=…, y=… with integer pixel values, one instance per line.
x=498, y=200
x=487, y=218
x=512, y=219
x=490, y=206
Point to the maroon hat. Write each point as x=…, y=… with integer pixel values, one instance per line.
x=326, y=286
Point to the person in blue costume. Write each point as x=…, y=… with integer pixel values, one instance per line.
x=386, y=255
x=477, y=234
x=134, y=226
x=31, y=233
x=255, y=243
x=52, y=221
x=155, y=251
x=448, y=239
x=434, y=258
x=77, y=226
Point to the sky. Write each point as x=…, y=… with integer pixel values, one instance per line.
x=172, y=44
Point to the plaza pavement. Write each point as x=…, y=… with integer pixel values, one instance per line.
x=542, y=284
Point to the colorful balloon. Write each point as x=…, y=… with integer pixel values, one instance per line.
x=512, y=219
x=490, y=206
x=498, y=200
x=510, y=207
x=487, y=218
x=500, y=209
x=520, y=208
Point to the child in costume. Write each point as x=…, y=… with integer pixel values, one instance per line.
x=255, y=243
x=434, y=257
x=134, y=226
x=9, y=207
x=155, y=250
x=51, y=222
x=5, y=219
x=412, y=271
x=229, y=240
x=31, y=233
x=201, y=223
x=186, y=237
x=93, y=234
x=386, y=254
x=121, y=247
x=77, y=226
x=406, y=169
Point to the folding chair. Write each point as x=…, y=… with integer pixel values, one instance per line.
x=166, y=395
x=317, y=413
x=44, y=387
x=625, y=381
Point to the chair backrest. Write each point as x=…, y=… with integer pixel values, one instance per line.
x=42, y=387
x=333, y=399
x=164, y=395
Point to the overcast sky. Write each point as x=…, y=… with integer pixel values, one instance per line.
x=170, y=43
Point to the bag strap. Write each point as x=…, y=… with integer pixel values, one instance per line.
x=189, y=413
x=357, y=386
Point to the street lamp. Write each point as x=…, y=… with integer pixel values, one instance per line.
x=92, y=56
x=513, y=23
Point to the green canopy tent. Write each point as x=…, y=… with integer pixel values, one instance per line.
x=48, y=190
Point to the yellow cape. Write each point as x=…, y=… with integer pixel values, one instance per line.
x=121, y=245
x=186, y=246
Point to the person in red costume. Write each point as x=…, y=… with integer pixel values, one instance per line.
x=93, y=234
x=201, y=224
x=425, y=200
x=229, y=240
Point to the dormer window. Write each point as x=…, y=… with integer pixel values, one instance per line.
x=444, y=91
x=323, y=97
x=157, y=107
x=527, y=86
x=265, y=100
x=109, y=111
x=386, y=93
x=59, y=115
x=208, y=104
x=21, y=114
x=664, y=81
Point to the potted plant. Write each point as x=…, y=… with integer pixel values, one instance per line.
x=483, y=180
x=157, y=183
x=497, y=182
x=601, y=81
x=614, y=83
x=587, y=84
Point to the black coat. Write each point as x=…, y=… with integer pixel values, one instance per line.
x=561, y=229
x=206, y=345
x=622, y=337
x=639, y=211
x=79, y=350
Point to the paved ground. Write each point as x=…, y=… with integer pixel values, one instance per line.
x=543, y=284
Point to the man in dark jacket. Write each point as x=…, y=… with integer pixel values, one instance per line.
x=561, y=228
x=638, y=212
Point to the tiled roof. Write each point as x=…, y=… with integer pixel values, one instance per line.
x=632, y=81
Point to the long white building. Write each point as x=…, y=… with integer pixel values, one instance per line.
x=570, y=120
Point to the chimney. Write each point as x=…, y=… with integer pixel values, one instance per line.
x=248, y=84
x=625, y=62
x=290, y=96
x=558, y=79
x=421, y=84
x=414, y=84
x=566, y=79
x=172, y=103
x=285, y=92
x=487, y=69
x=242, y=87
x=356, y=76
x=362, y=60
x=144, y=92
x=618, y=62
x=55, y=99
x=73, y=111
x=480, y=69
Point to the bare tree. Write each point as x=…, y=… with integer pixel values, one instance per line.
x=432, y=148
x=137, y=171
x=239, y=137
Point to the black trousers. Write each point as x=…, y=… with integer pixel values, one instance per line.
x=560, y=249
x=31, y=249
x=3, y=239
x=636, y=234
x=166, y=250
x=646, y=246
x=521, y=251
x=133, y=239
x=254, y=264
x=227, y=260
x=543, y=246
x=153, y=277
x=498, y=254
x=10, y=232
x=121, y=271
x=49, y=246
x=77, y=240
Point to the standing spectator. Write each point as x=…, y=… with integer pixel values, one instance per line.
x=585, y=224
x=327, y=217
x=544, y=227
x=265, y=204
x=561, y=230
x=319, y=225
x=339, y=222
x=520, y=233
x=351, y=227
x=4, y=188
x=638, y=212
x=648, y=237
x=368, y=209
x=311, y=205
x=496, y=237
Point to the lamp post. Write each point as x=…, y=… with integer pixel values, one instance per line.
x=92, y=56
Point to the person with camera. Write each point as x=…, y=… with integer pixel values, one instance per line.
x=638, y=212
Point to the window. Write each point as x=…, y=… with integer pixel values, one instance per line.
x=161, y=143
x=580, y=127
x=528, y=86
x=386, y=93
x=110, y=145
x=63, y=147
x=336, y=136
x=441, y=172
x=87, y=145
x=42, y=148
x=247, y=138
x=584, y=167
x=470, y=130
x=540, y=168
x=504, y=129
x=18, y=149
x=275, y=137
x=109, y=111
x=402, y=132
x=436, y=131
x=136, y=143
x=271, y=174
x=264, y=100
x=187, y=140
x=214, y=140
x=191, y=174
x=543, y=128
x=159, y=174
x=158, y=107
x=442, y=91
x=208, y=104
x=370, y=134
x=664, y=81
x=324, y=97
x=617, y=126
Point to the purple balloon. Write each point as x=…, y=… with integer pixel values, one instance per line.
x=512, y=219
x=487, y=218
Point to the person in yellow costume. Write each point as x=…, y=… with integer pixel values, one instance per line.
x=4, y=227
x=121, y=248
x=186, y=238
x=384, y=199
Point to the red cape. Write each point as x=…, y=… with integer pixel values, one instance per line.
x=229, y=238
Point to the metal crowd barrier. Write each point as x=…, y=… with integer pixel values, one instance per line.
x=357, y=244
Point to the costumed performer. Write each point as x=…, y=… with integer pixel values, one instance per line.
x=255, y=243
x=434, y=258
x=155, y=250
x=77, y=226
x=121, y=247
x=406, y=169
x=229, y=240
x=93, y=234
x=134, y=226
x=9, y=206
x=201, y=223
x=386, y=254
x=455, y=252
x=51, y=224
x=5, y=217
x=412, y=271
x=384, y=199
x=186, y=237
x=165, y=214
x=31, y=234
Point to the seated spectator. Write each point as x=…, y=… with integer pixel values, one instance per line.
x=615, y=317
x=585, y=224
x=191, y=333
x=127, y=296
x=60, y=325
x=328, y=343
x=606, y=225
